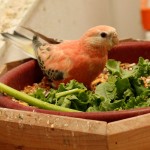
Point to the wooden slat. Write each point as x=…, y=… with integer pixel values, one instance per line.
x=130, y=134
x=30, y=130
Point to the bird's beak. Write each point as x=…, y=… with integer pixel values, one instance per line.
x=113, y=40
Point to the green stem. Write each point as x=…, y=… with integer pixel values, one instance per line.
x=31, y=100
x=60, y=94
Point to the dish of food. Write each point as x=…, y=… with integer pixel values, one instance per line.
x=119, y=87
x=119, y=95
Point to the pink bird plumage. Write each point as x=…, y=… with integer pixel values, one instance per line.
x=82, y=60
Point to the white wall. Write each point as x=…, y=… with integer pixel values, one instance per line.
x=127, y=18
x=68, y=19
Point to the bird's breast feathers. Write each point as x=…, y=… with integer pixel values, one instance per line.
x=70, y=60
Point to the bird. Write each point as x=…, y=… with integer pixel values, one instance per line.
x=64, y=60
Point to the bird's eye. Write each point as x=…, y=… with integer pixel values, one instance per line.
x=103, y=34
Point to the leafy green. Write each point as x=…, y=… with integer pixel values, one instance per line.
x=122, y=85
x=31, y=100
x=114, y=67
x=73, y=95
x=123, y=90
x=143, y=67
x=128, y=90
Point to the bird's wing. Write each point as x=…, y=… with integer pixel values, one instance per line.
x=53, y=59
x=53, y=62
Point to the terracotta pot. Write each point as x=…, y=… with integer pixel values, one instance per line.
x=29, y=72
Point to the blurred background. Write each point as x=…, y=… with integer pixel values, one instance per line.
x=67, y=19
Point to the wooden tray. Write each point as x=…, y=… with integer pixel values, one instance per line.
x=36, y=131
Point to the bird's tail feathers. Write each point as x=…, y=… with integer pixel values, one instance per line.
x=20, y=35
x=20, y=41
x=45, y=38
x=36, y=42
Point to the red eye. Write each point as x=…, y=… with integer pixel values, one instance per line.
x=103, y=34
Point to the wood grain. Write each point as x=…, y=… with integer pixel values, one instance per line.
x=129, y=134
x=30, y=130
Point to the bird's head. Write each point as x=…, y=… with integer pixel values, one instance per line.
x=100, y=37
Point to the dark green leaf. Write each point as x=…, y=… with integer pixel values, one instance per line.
x=122, y=85
x=113, y=67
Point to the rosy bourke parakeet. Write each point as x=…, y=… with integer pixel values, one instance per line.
x=83, y=59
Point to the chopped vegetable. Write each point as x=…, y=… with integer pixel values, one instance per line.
x=31, y=100
x=73, y=95
x=127, y=90
x=120, y=89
